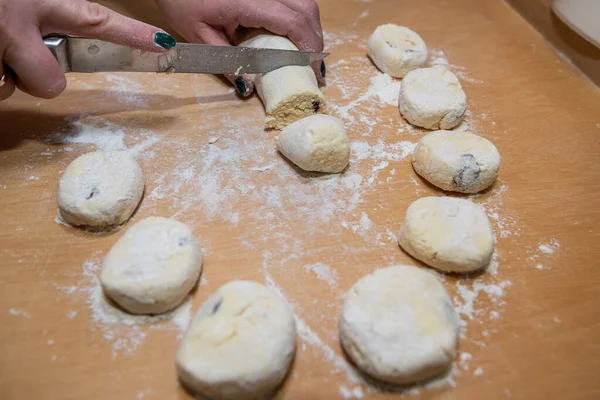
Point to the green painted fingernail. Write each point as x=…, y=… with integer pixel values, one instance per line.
x=240, y=86
x=164, y=40
x=323, y=69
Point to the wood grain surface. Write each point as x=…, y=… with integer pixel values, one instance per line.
x=259, y=218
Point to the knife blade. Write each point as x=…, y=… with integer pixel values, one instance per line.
x=91, y=55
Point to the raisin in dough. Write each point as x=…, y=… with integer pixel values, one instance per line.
x=432, y=98
x=457, y=161
x=316, y=143
x=398, y=325
x=239, y=345
x=449, y=234
x=152, y=267
x=396, y=50
x=100, y=189
x=289, y=93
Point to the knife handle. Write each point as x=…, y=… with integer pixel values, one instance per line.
x=58, y=46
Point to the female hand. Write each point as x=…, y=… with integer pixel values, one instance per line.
x=215, y=22
x=32, y=67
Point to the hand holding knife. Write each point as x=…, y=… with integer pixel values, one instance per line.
x=27, y=64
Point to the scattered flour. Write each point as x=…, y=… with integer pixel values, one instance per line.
x=363, y=15
x=543, y=251
x=126, y=332
x=324, y=272
x=19, y=313
x=464, y=359
x=468, y=293
x=550, y=247
x=104, y=135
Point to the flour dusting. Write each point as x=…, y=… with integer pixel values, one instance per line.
x=126, y=332
x=301, y=224
x=324, y=272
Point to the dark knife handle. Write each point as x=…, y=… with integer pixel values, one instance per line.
x=58, y=46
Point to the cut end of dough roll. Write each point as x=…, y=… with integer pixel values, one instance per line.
x=316, y=143
x=432, y=98
x=398, y=325
x=457, y=161
x=450, y=234
x=239, y=345
x=396, y=50
x=288, y=93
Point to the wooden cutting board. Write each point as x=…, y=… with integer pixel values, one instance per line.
x=531, y=321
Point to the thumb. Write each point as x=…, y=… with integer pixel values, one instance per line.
x=244, y=84
x=91, y=20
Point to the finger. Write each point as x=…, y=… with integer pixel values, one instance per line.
x=244, y=84
x=82, y=18
x=7, y=83
x=312, y=12
x=282, y=20
x=35, y=67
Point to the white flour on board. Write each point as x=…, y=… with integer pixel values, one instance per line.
x=323, y=272
x=541, y=255
x=104, y=135
x=126, y=332
x=18, y=313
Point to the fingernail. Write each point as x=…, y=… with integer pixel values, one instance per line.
x=323, y=69
x=240, y=86
x=164, y=40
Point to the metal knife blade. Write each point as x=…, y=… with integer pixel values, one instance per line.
x=91, y=55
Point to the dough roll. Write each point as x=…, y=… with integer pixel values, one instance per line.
x=288, y=93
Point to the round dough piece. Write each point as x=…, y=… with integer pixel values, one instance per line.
x=152, y=267
x=100, y=189
x=398, y=325
x=316, y=143
x=447, y=233
x=289, y=93
x=396, y=50
x=240, y=344
x=432, y=98
x=457, y=161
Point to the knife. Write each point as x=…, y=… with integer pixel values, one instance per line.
x=90, y=55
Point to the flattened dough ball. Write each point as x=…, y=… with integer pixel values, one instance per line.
x=450, y=234
x=457, y=161
x=316, y=143
x=396, y=50
x=288, y=93
x=100, y=189
x=432, y=98
x=152, y=267
x=240, y=344
x=398, y=325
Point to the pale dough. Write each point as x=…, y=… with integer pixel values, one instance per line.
x=432, y=98
x=240, y=344
x=447, y=233
x=396, y=50
x=100, y=189
x=457, y=161
x=288, y=93
x=398, y=325
x=152, y=267
x=316, y=143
